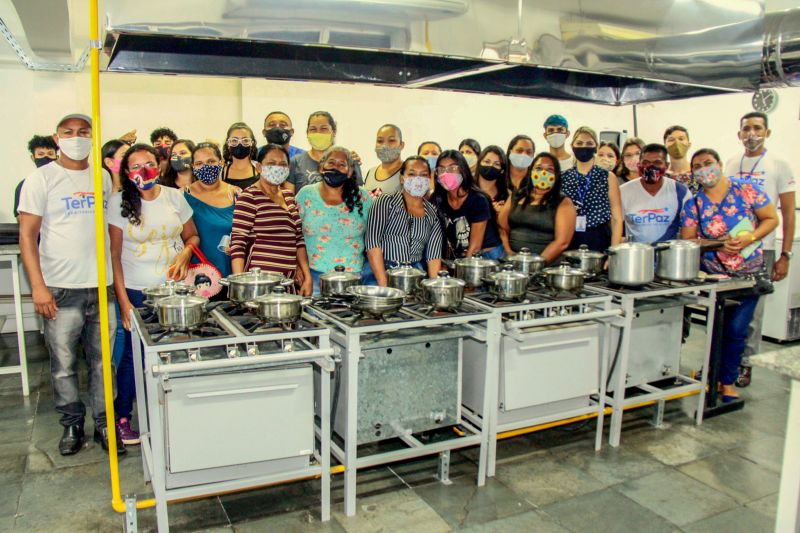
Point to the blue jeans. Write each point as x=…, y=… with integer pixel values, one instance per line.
x=126, y=386
x=315, y=274
x=119, y=339
x=77, y=322
x=735, y=326
x=494, y=253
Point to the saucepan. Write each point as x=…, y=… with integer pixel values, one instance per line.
x=585, y=259
x=507, y=284
x=679, y=260
x=443, y=292
x=336, y=282
x=526, y=261
x=247, y=286
x=169, y=288
x=278, y=307
x=375, y=300
x=564, y=278
x=181, y=311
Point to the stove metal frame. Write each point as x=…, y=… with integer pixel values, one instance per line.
x=703, y=294
x=511, y=319
x=348, y=336
x=150, y=372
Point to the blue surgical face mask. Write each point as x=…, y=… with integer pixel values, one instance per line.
x=432, y=159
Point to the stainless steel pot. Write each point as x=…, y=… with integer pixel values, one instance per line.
x=375, y=300
x=631, y=264
x=508, y=284
x=247, y=286
x=527, y=262
x=336, y=282
x=474, y=269
x=278, y=307
x=585, y=259
x=406, y=278
x=678, y=260
x=169, y=288
x=564, y=278
x=443, y=292
x=184, y=311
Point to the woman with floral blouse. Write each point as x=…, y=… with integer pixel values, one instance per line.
x=334, y=215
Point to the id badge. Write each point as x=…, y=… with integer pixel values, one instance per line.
x=580, y=223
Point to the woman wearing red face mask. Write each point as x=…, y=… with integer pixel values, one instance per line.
x=151, y=232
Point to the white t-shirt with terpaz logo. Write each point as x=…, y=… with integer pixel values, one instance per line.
x=149, y=248
x=772, y=174
x=66, y=202
x=648, y=218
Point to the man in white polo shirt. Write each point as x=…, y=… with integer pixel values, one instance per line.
x=56, y=207
x=774, y=176
x=652, y=204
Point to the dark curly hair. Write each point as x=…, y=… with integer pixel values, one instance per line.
x=131, y=197
x=162, y=132
x=41, y=141
x=170, y=176
x=350, y=190
x=226, y=152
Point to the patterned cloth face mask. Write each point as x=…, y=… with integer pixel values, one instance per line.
x=208, y=174
x=274, y=174
x=708, y=176
x=543, y=179
x=417, y=186
x=144, y=178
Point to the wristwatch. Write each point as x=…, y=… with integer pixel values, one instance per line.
x=787, y=255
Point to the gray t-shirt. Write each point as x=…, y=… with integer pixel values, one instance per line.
x=303, y=170
x=388, y=186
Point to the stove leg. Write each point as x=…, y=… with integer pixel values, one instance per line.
x=350, y=366
x=615, y=430
x=443, y=472
x=658, y=415
x=325, y=443
x=711, y=310
x=130, y=525
x=488, y=452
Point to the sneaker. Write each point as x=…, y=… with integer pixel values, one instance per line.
x=745, y=375
x=127, y=434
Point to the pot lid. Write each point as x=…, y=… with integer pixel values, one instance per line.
x=526, y=256
x=278, y=296
x=181, y=301
x=508, y=275
x=406, y=270
x=630, y=246
x=169, y=288
x=256, y=275
x=443, y=280
x=475, y=261
x=679, y=243
x=563, y=270
x=583, y=251
x=338, y=274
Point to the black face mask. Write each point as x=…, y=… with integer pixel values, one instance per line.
x=179, y=164
x=163, y=152
x=240, y=151
x=334, y=178
x=584, y=153
x=490, y=173
x=42, y=161
x=277, y=135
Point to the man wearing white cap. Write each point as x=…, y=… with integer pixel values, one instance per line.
x=56, y=209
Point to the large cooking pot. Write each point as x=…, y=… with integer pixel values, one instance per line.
x=405, y=277
x=507, y=284
x=278, y=307
x=336, y=282
x=631, y=264
x=474, y=269
x=156, y=292
x=585, y=259
x=375, y=300
x=678, y=260
x=564, y=278
x=526, y=261
x=247, y=286
x=443, y=292
x=181, y=311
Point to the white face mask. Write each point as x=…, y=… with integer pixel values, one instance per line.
x=520, y=160
x=274, y=174
x=76, y=148
x=556, y=140
x=607, y=163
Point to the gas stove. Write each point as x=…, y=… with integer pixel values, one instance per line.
x=155, y=334
x=657, y=287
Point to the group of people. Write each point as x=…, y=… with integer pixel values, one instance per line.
x=304, y=213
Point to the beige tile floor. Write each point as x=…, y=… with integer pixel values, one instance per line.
x=721, y=476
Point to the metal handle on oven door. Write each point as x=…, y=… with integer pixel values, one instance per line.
x=236, y=392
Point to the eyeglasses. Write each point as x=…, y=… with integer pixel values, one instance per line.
x=235, y=141
x=445, y=170
x=149, y=164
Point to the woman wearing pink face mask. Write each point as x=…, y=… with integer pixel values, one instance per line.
x=112, y=158
x=151, y=232
x=741, y=214
x=469, y=221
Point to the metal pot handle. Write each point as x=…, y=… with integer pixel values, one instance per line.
x=713, y=245
x=286, y=283
x=661, y=246
x=251, y=305
x=609, y=251
x=224, y=282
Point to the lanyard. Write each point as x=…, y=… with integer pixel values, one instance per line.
x=581, y=192
x=750, y=174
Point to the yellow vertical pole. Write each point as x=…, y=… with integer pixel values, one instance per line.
x=100, y=246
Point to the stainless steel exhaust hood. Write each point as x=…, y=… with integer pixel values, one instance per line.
x=616, y=53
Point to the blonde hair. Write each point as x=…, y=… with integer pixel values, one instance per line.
x=587, y=130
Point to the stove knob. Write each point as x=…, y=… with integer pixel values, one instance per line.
x=233, y=353
x=252, y=351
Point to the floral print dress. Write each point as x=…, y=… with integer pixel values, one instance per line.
x=334, y=236
x=716, y=220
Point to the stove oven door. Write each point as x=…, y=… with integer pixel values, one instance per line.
x=237, y=418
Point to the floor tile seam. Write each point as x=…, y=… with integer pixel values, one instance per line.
x=224, y=511
x=615, y=489
x=725, y=493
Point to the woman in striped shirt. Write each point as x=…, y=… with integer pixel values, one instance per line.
x=403, y=226
x=266, y=225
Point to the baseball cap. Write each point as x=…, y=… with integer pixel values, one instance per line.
x=81, y=116
x=556, y=120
